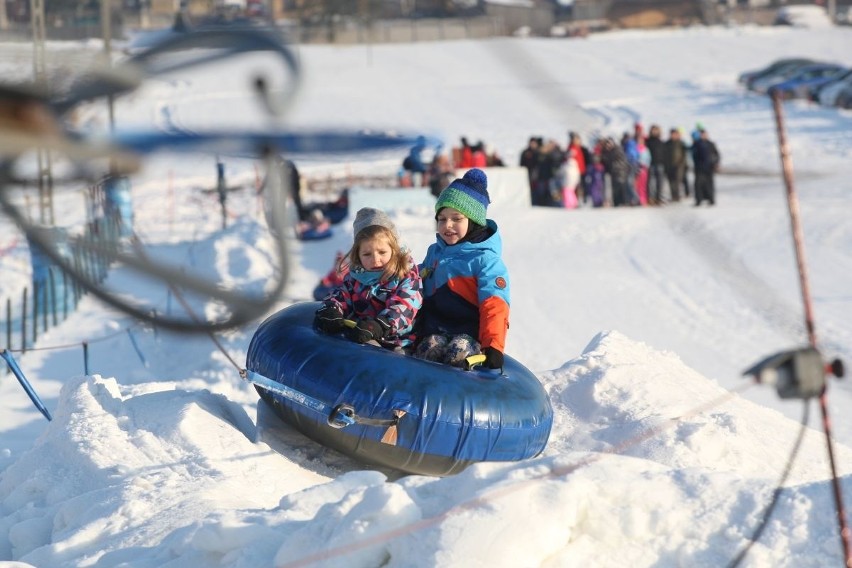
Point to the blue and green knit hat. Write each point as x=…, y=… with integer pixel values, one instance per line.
x=468, y=195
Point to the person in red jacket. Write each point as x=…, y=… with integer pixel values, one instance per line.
x=479, y=159
x=466, y=155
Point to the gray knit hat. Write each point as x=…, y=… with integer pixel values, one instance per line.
x=367, y=217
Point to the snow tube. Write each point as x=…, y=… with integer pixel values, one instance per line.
x=392, y=410
x=315, y=234
x=334, y=211
x=337, y=211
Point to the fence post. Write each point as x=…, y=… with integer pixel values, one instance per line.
x=52, y=280
x=118, y=203
x=8, y=328
x=85, y=357
x=77, y=267
x=44, y=268
x=105, y=238
x=35, y=312
x=24, y=322
x=9, y=323
x=64, y=296
x=44, y=288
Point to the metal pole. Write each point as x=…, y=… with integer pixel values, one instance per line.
x=36, y=290
x=24, y=322
x=106, y=32
x=9, y=323
x=45, y=175
x=798, y=242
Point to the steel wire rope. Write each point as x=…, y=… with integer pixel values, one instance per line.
x=137, y=244
x=779, y=487
x=71, y=345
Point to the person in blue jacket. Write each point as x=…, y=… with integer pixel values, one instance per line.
x=414, y=162
x=465, y=282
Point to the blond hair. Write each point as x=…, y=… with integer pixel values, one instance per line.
x=399, y=263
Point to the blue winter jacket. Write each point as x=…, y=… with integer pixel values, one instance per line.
x=466, y=290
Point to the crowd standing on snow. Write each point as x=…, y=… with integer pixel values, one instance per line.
x=638, y=170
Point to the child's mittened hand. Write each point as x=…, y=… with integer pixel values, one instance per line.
x=329, y=319
x=493, y=358
x=367, y=329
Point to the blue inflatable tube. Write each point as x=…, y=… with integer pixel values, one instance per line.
x=392, y=410
x=315, y=234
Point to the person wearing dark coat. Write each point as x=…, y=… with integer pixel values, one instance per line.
x=656, y=170
x=705, y=160
x=530, y=158
x=618, y=167
x=674, y=161
x=290, y=175
x=415, y=158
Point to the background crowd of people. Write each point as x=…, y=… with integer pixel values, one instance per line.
x=639, y=169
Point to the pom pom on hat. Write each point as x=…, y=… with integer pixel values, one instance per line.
x=368, y=217
x=468, y=195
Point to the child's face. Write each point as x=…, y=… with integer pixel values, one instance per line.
x=375, y=253
x=452, y=225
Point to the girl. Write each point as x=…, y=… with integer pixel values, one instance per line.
x=382, y=290
x=466, y=285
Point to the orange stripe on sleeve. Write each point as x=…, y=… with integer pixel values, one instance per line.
x=493, y=323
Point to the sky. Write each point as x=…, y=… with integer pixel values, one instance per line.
x=638, y=322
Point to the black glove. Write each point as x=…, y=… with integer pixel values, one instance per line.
x=493, y=358
x=369, y=328
x=329, y=319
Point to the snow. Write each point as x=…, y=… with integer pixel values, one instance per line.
x=639, y=323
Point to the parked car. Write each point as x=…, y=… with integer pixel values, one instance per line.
x=798, y=86
x=748, y=77
x=802, y=16
x=844, y=98
x=762, y=84
x=827, y=95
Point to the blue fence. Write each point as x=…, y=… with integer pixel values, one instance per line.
x=52, y=295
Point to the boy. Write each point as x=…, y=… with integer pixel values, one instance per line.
x=465, y=282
